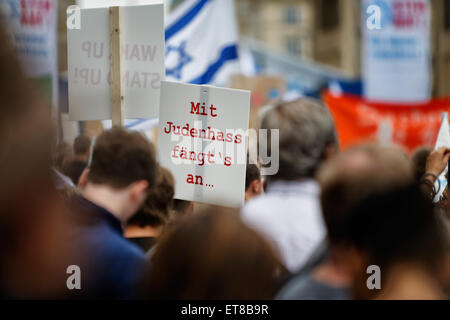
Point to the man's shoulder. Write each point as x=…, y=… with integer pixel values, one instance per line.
x=119, y=246
x=100, y=237
x=261, y=213
x=295, y=288
x=277, y=212
x=304, y=287
x=270, y=204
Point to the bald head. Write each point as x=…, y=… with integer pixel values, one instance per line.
x=358, y=173
x=367, y=162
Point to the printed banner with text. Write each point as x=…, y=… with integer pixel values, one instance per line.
x=396, y=55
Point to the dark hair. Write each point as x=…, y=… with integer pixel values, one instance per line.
x=73, y=169
x=393, y=226
x=158, y=205
x=81, y=145
x=370, y=201
x=212, y=255
x=121, y=157
x=419, y=161
x=251, y=174
x=61, y=155
x=180, y=208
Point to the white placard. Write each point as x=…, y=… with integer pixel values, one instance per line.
x=202, y=141
x=396, y=50
x=142, y=63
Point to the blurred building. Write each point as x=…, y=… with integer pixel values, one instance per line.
x=441, y=47
x=329, y=32
x=325, y=31
x=311, y=29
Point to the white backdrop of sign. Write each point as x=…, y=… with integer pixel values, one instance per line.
x=34, y=25
x=142, y=63
x=202, y=141
x=110, y=3
x=443, y=140
x=396, y=56
x=86, y=4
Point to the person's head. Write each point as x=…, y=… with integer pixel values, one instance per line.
x=157, y=208
x=181, y=209
x=82, y=148
x=376, y=215
x=31, y=214
x=253, y=183
x=307, y=137
x=124, y=166
x=62, y=153
x=73, y=169
x=212, y=255
x=418, y=162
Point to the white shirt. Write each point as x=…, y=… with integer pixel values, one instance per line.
x=290, y=217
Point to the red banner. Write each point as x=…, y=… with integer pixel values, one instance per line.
x=359, y=121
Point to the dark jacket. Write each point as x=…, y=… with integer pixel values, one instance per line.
x=74, y=169
x=111, y=266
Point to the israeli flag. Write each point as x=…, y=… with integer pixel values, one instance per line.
x=202, y=42
x=201, y=47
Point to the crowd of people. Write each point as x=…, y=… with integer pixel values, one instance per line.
x=361, y=223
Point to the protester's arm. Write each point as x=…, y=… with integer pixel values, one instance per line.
x=436, y=164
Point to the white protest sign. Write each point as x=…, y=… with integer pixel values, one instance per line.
x=142, y=39
x=202, y=141
x=443, y=140
x=396, y=55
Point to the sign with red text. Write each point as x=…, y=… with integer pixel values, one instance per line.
x=33, y=28
x=396, y=55
x=142, y=40
x=202, y=141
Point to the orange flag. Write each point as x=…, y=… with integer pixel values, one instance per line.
x=410, y=126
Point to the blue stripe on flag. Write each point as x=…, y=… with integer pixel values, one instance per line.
x=227, y=54
x=135, y=123
x=184, y=20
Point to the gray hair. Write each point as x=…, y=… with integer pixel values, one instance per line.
x=306, y=129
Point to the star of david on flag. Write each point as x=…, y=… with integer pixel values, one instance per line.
x=201, y=42
x=181, y=60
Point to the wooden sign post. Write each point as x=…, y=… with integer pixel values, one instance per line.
x=115, y=58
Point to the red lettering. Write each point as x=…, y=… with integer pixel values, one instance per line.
x=195, y=108
x=198, y=109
